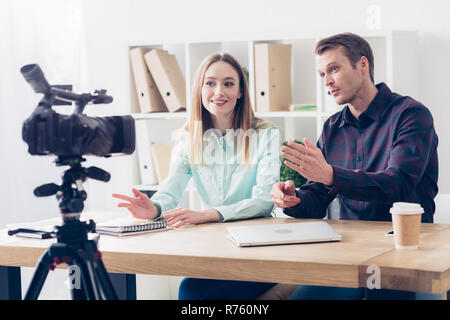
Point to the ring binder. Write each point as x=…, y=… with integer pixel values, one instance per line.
x=168, y=77
x=273, y=76
x=148, y=95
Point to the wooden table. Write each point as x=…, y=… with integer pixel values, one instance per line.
x=204, y=251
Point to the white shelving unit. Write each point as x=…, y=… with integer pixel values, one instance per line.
x=396, y=61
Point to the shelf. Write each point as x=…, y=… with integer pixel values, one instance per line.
x=154, y=187
x=287, y=114
x=280, y=114
x=395, y=55
x=147, y=187
x=160, y=115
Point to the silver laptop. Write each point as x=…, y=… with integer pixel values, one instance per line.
x=272, y=234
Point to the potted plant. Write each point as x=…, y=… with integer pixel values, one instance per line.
x=287, y=173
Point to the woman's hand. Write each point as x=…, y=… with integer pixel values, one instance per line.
x=181, y=216
x=140, y=206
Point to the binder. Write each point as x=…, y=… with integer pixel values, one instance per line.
x=148, y=95
x=273, y=76
x=168, y=77
x=161, y=161
x=143, y=147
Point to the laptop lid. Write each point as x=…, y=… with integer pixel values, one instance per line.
x=285, y=233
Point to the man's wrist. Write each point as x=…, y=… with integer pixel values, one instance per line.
x=330, y=180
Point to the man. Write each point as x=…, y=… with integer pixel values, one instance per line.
x=381, y=148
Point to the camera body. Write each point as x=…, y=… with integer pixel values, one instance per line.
x=69, y=137
x=48, y=132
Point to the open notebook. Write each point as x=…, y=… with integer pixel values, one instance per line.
x=128, y=225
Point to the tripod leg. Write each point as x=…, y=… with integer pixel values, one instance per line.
x=96, y=272
x=105, y=281
x=39, y=276
x=86, y=280
x=93, y=279
x=76, y=282
x=85, y=258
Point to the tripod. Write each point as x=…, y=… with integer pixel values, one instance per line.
x=73, y=246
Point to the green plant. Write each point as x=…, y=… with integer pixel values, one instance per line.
x=246, y=74
x=287, y=173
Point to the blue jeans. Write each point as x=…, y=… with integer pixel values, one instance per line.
x=305, y=292
x=209, y=289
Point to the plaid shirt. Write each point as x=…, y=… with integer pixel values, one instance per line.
x=387, y=155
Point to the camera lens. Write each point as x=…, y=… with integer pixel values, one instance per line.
x=35, y=77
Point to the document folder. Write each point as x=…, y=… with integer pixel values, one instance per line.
x=144, y=150
x=168, y=77
x=148, y=95
x=161, y=160
x=273, y=76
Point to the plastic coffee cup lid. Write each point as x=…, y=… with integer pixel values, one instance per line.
x=406, y=208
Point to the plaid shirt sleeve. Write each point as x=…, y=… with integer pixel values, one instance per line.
x=314, y=199
x=412, y=147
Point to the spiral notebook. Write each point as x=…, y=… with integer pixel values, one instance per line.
x=129, y=226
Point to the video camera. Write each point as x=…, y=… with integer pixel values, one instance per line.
x=48, y=132
x=71, y=136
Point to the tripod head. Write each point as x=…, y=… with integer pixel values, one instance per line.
x=70, y=193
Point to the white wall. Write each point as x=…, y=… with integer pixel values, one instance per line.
x=85, y=43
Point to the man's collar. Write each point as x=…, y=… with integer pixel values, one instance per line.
x=376, y=107
x=374, y=110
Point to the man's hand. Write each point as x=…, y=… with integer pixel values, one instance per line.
x=283, y=194
x=309, y=161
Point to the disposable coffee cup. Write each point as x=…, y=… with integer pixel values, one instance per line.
x=406, y=218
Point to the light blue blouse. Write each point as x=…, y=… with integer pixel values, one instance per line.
x=235, y=189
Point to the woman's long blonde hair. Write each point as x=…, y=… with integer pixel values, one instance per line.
x=243, y=117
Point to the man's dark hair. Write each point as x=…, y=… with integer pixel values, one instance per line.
x=354, y=47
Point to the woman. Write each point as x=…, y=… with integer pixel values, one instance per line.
x=233, y=158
